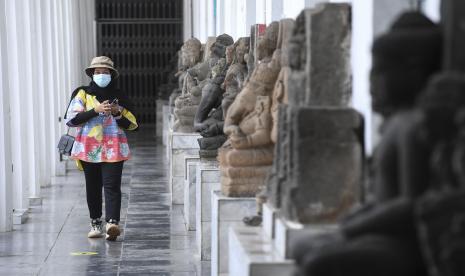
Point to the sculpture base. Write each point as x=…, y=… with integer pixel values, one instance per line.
x=191, y=163
x=287, y=233
x=180, y=145
x=226, y=212
x=207, y=180
x=251, y=253
x=208, y=153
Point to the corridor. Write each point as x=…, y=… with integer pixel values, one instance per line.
x=154, y=241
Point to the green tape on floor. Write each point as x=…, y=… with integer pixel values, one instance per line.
x=83, y=253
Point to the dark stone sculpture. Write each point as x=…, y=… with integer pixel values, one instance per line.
x=381, y=237
x=209, y=117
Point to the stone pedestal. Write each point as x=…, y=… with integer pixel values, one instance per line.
x=180, y=145
x=20, y=216
x=166, y=127
x=287, y=232
x=252, y=254
x=191, y=163
x=227, y=212
x=207, y=180
x=269, y=218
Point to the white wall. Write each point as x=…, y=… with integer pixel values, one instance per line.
x=44, y=47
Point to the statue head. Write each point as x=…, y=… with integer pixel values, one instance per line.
x=242, y=48
x=403, y=60
x=268, y=42
x=190, y=53
x=218, y=48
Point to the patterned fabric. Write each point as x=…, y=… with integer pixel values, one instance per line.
x=100, y=139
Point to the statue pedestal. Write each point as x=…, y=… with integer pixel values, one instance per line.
x=207, y=180
x=252, y=254
x=269, y=217
x=191, y=162
x=166, y=123
x=180, y=145
x=287, y=232
x=227, y=212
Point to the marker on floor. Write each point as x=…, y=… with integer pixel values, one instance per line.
x=83, y=253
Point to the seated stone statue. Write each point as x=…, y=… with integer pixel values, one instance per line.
x=237, y=71
x=190, y=56
x=278, y=97
x=247, y=155
x=381, y=238
x=197, y=78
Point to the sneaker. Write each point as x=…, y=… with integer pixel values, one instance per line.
x=96, y=229
x=112, y=230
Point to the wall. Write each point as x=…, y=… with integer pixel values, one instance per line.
x=44, y=46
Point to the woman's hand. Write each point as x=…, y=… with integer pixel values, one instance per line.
x=104, y=107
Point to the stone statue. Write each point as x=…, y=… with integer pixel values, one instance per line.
x=196, y=79
x=190, y=55
x=380, y=238
x=278, y=97
x=247, y=155
x=208, y=119
x=237, y=71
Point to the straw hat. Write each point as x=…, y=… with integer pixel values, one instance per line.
x=101, y=62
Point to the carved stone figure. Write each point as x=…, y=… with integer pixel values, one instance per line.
x=237, y=71
x=247, y=155
x=196, y=79
x=380, y=238
x=278, y=97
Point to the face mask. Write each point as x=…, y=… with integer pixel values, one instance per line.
x=102, y=80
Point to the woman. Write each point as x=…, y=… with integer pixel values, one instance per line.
x=100, y=112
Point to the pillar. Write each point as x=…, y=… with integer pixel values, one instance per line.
x=6, y=189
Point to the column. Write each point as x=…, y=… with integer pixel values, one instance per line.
x=187, y=17
x=220, y=16
x=29, y=102
x=6, y=189
x=15, y=46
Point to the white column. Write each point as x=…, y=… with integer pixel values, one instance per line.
x=187, y=19
x=277, y=8
x=18, y=106
x=260, y=8
x=30, y=102
x=6, y=189
x=251, y=16
x=220, y=17
x=211, y=18
x=432, y=9
x=203, y=24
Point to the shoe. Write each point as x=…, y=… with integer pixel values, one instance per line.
x=112, y=230
x=96, y=229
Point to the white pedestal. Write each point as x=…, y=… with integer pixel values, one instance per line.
x=226, y=212
x=269, y=216
x=207, y=180
x=287, y=233
x=191, y=163
x=20, y=216
x=252, y=254
x=181, y=145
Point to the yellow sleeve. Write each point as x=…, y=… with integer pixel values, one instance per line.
x=131, y=118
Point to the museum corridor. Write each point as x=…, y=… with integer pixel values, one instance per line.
x=155, y=240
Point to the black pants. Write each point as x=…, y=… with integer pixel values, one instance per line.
x=108, y=176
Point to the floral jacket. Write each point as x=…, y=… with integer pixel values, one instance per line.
x=100, y=139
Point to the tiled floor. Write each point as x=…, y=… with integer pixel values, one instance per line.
x=154, y=241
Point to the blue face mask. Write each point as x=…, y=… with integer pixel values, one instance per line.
x=102, y=80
